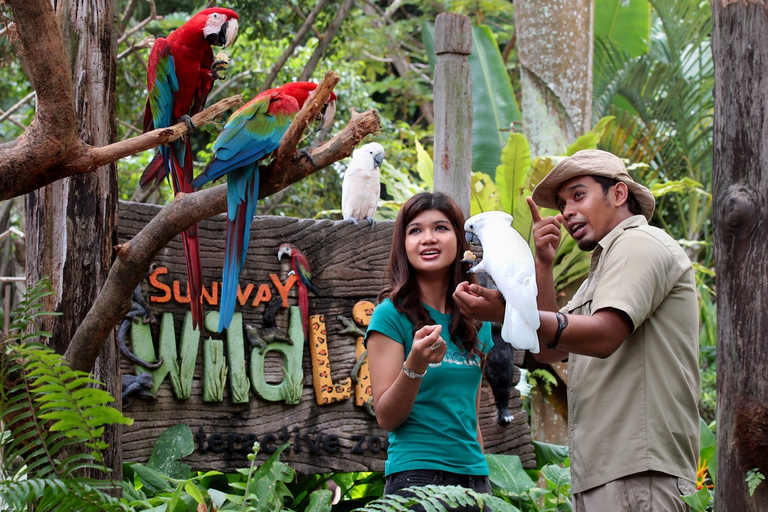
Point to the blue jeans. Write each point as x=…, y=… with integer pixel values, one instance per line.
x=396, y=482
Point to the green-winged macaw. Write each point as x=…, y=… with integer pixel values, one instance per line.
x=252, y=133
x=300, y=266
x=180, y=74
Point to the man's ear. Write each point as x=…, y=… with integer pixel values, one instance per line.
x=620, y=194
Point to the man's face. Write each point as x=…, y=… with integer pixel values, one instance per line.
x=588, y=213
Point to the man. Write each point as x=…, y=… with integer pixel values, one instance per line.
x=630, y=334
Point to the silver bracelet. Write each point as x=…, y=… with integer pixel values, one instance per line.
x=412, y=374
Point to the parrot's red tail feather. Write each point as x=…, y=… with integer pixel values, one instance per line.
x=194, y=275
x=303, y=307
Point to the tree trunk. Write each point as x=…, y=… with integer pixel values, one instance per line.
x=71, y=224
x=554, y=39
x=740, y=196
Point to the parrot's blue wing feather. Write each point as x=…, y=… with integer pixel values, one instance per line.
x=242, y=192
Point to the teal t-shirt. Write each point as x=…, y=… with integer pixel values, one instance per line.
x=441, y=431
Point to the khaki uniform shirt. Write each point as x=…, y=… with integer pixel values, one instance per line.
x=636, y=410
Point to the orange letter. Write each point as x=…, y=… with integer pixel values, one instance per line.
x=177, y=293
x=160, y=286
x=213, y=298
x=283, y=289
x=263, y=294
x=242, y=298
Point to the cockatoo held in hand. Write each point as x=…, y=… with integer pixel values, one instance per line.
x=507, y=258
x=361, y=185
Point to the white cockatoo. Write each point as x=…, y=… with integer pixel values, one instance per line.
x=360, y=188
x=507, y=258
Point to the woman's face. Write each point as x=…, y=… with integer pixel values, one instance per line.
x=430, y=242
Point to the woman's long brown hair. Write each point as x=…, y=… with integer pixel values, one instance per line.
x=403, y=289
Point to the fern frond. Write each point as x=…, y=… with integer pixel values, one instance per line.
x=54, y=495
x=53, y=408
x=438, y=498
x=53, y=419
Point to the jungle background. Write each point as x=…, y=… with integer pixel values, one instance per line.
x=651, y=80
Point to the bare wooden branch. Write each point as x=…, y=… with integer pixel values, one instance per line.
x=134, y=257
x=78, y=157
x=303, y=119
x=330, y=33
x=17, y=106
x=298, y=38
x=92, y=158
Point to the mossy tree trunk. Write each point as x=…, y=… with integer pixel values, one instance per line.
x=71, y=224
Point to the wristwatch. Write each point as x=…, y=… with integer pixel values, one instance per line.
x=412, y=374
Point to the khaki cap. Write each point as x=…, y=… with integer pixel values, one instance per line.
x=591, y=162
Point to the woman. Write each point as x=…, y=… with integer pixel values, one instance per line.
x=425, y=357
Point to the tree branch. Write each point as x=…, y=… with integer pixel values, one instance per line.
x=82, y=158
x=297, y=39
x=134, y=257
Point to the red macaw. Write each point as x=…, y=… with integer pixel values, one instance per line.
x=180, y=74
x=252, y=133
x=300, y=266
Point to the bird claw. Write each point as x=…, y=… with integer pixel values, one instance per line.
x=304, y=152
x=218, y=65
x=190, y=125
x=370, y=219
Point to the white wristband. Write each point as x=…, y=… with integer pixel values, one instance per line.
x=412, y=374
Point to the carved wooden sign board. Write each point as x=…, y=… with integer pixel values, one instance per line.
x=255, y=383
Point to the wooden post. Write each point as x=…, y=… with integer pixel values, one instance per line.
x=739, y=192
x=7, y=309
x=453, y=108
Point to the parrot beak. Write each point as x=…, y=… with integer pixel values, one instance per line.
x=285, y=251
x=471, y=238
x=378, y=159
x=326, y=115
x=225, y=36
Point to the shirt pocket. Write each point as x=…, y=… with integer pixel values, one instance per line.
x=580, y=304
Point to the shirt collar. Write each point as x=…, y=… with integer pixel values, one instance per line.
x=635, y=221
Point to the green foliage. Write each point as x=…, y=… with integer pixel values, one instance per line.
x=167, y=482
x=700, y=501
x=438, y=498
x=53, y=420
x=664, y=108
x=511, y=174
x=540, y=378
x=754, y=478
x=708, y=449
x=518, y=486
x=626, y=23
x=52, y=494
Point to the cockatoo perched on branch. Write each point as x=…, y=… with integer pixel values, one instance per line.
x=360, y=189
x=507, y=258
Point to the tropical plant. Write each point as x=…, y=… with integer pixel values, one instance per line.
x=518, y=486
x=663, y=103
x=53, y=419
x=165, y=481
x=438, y=498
